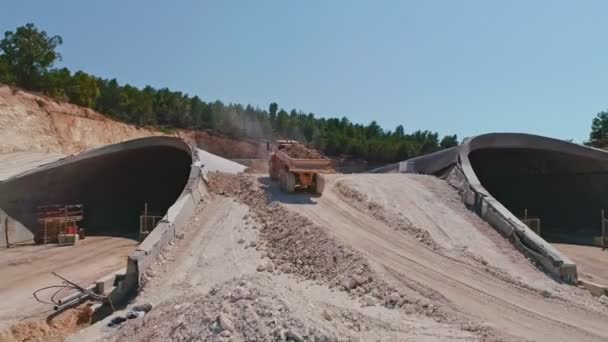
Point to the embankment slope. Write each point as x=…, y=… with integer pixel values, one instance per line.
x=34, y=123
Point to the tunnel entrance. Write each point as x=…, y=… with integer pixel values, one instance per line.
x=566, y=192
x=113, y=188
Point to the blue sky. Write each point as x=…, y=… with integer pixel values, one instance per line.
x=463, y=67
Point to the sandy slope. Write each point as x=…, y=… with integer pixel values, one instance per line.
x=35, y=123
x=197, y=274
x=455, y=281
x=282, y=265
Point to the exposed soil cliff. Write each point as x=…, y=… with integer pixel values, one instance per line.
x=30, y=122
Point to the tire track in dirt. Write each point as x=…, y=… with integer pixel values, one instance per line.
x=511, y=308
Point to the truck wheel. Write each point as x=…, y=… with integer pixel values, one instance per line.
x=319, y=184
x=290, y=182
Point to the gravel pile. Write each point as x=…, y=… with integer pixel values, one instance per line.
x=292, y=244
x=239, y=310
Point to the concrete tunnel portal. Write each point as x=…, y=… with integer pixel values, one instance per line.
x=561, y=186
x=566, y=192
x=112, y=183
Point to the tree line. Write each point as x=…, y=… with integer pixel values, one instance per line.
x=28, y=56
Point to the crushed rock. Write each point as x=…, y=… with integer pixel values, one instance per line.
x=299, y=247
x=238, y=310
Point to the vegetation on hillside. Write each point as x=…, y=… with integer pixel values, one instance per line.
x=599, y=131
x=28, y=56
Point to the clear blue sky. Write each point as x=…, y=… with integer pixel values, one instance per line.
x=464, y=67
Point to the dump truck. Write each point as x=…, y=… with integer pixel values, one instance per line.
x=297, y=166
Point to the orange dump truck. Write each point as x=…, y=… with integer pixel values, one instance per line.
x=295, y=165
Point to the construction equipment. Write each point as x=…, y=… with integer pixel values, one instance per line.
x=59, y=224
x=295, y=165
x=532, y=222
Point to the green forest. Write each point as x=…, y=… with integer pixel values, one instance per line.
x=27, y=60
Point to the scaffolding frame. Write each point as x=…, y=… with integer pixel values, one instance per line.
x=532, y=222
x=147, y=222
x=60, y=215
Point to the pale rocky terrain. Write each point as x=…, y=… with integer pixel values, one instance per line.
x=389, y=257
x=358, y=263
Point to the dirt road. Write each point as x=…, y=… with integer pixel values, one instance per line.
x=28, y=268
x=377, y=257
x=561, y=313
x=219, y=256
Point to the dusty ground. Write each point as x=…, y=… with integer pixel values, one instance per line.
x=505, y=292
x=27, y=268
x=221, y=268
x=255, y=165
x=362, y=262
x=591, y=261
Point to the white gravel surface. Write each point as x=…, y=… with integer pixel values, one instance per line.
x=351, y=265
x=213, y=163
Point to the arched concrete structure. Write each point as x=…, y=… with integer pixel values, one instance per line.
x=502, y=174
x=112, y=182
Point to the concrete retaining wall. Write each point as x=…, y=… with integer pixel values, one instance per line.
x=168, y=228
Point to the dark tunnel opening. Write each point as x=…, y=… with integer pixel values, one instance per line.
x=566, y=192
x=113, y=189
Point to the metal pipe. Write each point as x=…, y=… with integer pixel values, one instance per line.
x=74, y=301
x=70, y=297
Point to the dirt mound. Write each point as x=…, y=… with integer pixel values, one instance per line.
x=51, y=329
x=300, y=151
x=398, y=222
x=240, y=310
x=252, y=269
x=294, y=245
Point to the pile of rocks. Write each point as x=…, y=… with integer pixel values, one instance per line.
x=240, y=310
x=292, y=244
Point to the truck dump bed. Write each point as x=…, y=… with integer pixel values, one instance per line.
x=299, y=158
